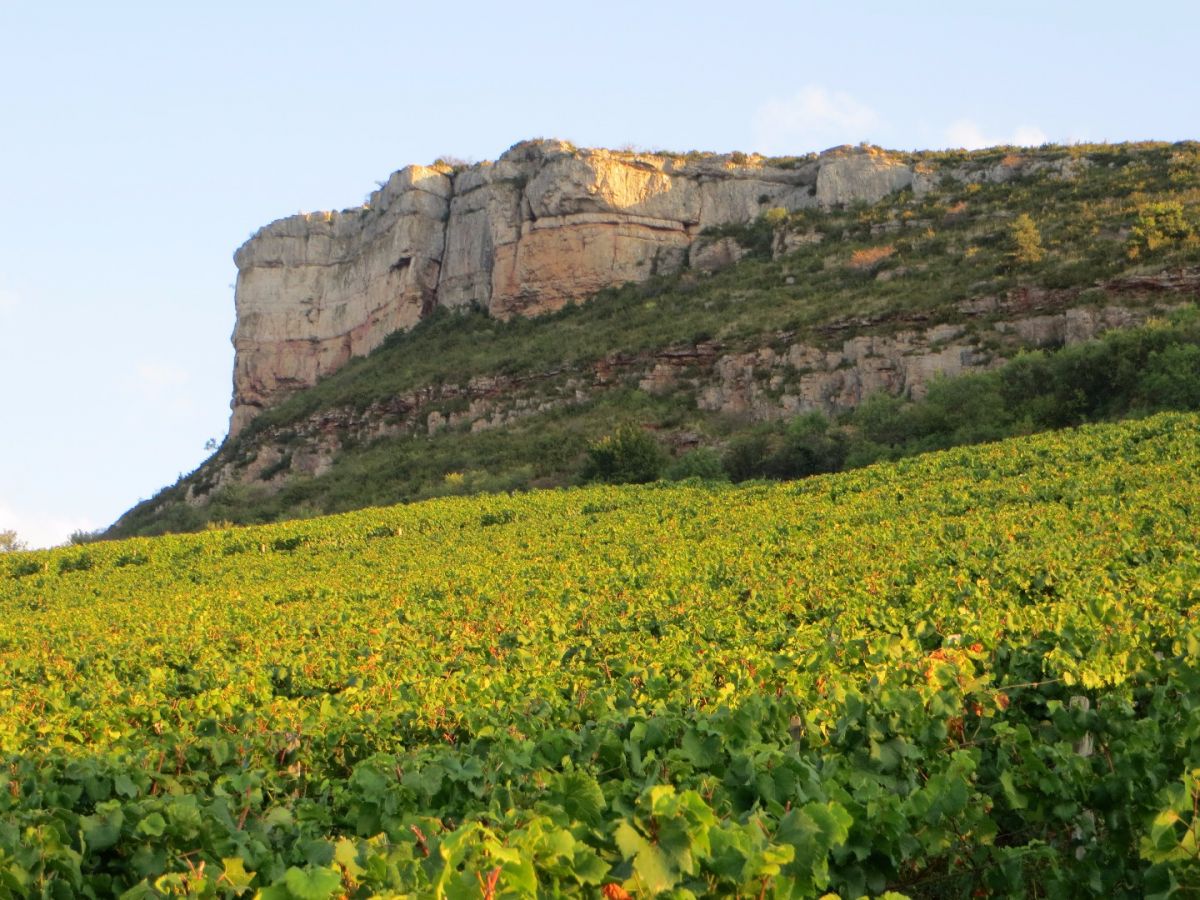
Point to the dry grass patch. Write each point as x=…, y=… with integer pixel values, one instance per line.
x=870, y=258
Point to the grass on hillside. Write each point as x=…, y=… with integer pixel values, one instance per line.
x=1126, y=373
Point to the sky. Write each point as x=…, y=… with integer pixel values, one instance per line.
x=141, y=143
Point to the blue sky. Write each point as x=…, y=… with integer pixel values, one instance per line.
x=141, y=143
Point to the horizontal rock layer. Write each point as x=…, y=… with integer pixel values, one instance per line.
x=544, y=226
x=777, y=377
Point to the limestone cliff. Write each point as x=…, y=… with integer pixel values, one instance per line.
x=545, y=225
x=768, y=316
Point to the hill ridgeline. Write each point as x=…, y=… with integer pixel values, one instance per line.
x=476, y=327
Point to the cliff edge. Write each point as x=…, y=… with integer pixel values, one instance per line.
x=545, y=225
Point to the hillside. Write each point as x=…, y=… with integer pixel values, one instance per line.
x=785, y=315
x=969, y=673
x=545, y=225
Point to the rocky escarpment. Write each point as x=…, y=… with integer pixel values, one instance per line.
x=543, y=226
x=776, y=378
x=767, y=314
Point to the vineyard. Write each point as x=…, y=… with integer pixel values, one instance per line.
x=972, y=673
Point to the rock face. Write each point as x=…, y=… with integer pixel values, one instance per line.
x=544, y=226
x=315, y=290
x=850, y=175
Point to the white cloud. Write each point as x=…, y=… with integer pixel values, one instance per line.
x=969, y=136
x=42, y=529
x=813, y=119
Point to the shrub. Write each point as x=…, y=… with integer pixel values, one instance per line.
x=80, y=563
x=503, y=517
x=808, y=447
x=702, y=462
x=746, y=456
x=962, y=411
x=1158, y=226
x=1026, y=241
x=1172, y=378
x=871, y=258
x=885, y=420
x=627, y=456
x=27, y=567
x=9, y=542
x=775, y=216
x=755, y=237
x=1184, y=168
x=450, y=161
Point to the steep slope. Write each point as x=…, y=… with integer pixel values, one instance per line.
x=791, y=313
x=966, y=674
x=546, y=225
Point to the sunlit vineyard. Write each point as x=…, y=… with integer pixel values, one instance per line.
x=970, y=673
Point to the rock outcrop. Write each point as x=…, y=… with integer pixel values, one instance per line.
x=316, y=289
x=544, y=226
x=848, y=175
x=778, y=377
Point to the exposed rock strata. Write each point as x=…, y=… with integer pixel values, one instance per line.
x=781, y=377
x=544, y=226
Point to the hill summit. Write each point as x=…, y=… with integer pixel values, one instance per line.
x=479, y=327
x=545, y=225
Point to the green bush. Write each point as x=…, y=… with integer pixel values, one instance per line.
x=703, y=463
x=627, y=456
x=746, y=455
x=885, y=420
x=80, y=563
x=963, y=411
x=1159, y=225
x=805, y=445
x=808, y=447
x=1172, y=378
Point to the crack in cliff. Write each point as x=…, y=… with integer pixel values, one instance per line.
x=437, y=281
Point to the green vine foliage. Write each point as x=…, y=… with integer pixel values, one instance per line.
x=973, y=673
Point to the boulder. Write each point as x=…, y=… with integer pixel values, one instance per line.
x=712, y=256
